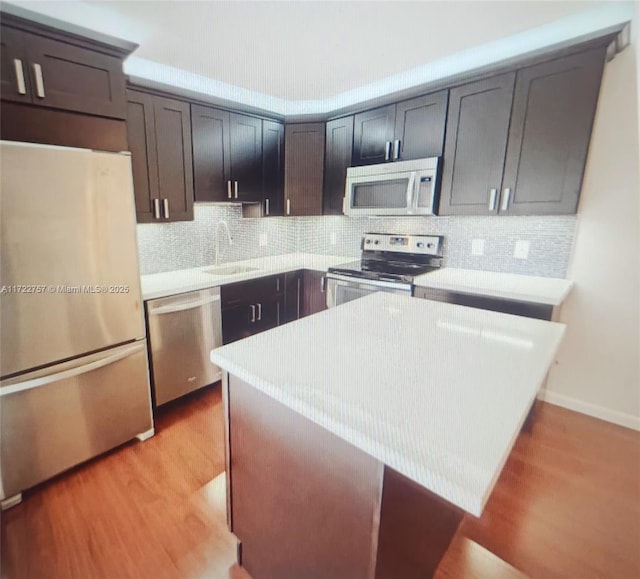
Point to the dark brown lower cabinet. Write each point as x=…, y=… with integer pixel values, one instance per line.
x=331, y=509
x=251, y=307
x=517, y=308
x=304, y=294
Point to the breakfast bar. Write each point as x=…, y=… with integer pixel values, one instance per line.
x=358, y=438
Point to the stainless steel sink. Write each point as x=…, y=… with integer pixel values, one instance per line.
x=230, y=269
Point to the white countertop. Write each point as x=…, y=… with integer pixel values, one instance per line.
x=527, y=288
x=158, y=285
x=435, y=391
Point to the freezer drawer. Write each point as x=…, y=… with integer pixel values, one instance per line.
x=56, y=418
x=183, y=330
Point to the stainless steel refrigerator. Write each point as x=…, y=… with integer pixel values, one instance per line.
x=74, y=379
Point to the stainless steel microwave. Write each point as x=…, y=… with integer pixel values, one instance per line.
x=401, y=188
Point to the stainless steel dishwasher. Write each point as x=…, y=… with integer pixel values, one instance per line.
x=183, y=329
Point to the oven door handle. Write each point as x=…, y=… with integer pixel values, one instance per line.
x=347, y=280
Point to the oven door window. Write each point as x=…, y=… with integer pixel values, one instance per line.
x=383, y=194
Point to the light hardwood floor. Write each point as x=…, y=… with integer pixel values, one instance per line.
x=566, y=505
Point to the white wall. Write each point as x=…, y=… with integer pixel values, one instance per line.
x=598, y=367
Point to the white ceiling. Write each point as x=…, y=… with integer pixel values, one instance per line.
x=317, y=56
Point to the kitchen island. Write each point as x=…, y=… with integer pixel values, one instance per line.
x=358, y=438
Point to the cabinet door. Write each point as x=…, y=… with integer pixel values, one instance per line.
x=73, y=78
x=293, y=296
x=174, y=160
x=246, y=157
x=315, y=298
x=477, y=131
x=273, y=167
x=237, y=322
x=554, y=105
x=337, y=158
x=303, y=168
x=420, y=126
x=269, y=313
x=142, y=144
x=15, y=84
x=372, y=135
x=211, y=158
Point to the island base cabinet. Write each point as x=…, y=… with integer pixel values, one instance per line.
x=305, y=503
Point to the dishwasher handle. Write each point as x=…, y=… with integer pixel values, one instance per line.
x=171, y=308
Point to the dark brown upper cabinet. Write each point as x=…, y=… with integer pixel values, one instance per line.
x=245, y=143
x=227, y=155
x=554, y=105
x=412, y=129
x=159, y=131
x=50, y=73
x=517, y=143
x=477, y=133
x=211, y=154
x=373, y=135
x=337, y=158
x=273, y=168
x=303, y=168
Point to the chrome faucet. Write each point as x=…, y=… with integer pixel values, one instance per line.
x=226, y=227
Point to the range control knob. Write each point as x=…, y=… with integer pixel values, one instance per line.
x=368, y=241
x=429, y=245
x=376, y=242
x=420, y=244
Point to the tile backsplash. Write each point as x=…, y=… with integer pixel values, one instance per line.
x=170, y=246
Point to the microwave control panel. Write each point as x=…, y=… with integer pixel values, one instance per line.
x=422, y=244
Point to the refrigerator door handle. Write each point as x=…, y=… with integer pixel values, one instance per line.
x=84, y=369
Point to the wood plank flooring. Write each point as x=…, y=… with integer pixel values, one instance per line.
x=566, y=505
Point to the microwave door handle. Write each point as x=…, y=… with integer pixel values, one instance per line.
x=411, y=190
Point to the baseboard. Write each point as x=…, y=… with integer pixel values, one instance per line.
x=620, y=418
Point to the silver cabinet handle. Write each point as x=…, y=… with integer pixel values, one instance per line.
x=266, y=206
x=235, y=189
x=253, y=313
x=72, y=372
x=156, y=208
x=323, y=284
x=493, y=194
x=229, y=188
x=505, y=199
x=166, y=208
x=17, y=65
x=37, y=71
x=396, y=149
x=288, y=206
x=259, y=312
x=387, y=150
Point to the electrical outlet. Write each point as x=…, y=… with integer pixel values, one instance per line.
x=262, y=239
x=477, y=247
x=334, y=238
x=521, y=250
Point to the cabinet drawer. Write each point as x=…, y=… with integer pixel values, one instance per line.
x=255, y=290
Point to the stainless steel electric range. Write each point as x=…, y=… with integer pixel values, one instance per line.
x=389, y=263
